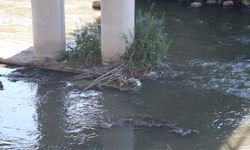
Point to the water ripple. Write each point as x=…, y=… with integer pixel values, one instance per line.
x=84, y=112
x=228, y=77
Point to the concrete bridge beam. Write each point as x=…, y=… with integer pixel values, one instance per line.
x=48, y=28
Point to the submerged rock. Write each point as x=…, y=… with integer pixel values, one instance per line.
x=1, y=85
x=36, y=75
x=152, y=75
x=184, y=132
x=147, y=122
x=228, y=4
x=126, y=84
x=196, y=4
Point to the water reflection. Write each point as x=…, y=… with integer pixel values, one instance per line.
x=122, y=139
x=62, y=117
x=66, y=119
x=51, y=116
x=207, y=90
x=214, y=114
x=17, y=114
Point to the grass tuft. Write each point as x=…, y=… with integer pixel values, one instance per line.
x=149, y=45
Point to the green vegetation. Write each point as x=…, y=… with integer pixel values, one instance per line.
x=147, y=49
x=87, y=50
x=149, y=44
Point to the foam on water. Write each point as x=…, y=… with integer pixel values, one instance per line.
x=84, y=112
x=228, y=77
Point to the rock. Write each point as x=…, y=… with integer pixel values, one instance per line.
x=211, y=2
x=1, y=85
x=152, y=75
x=96, y=4
x=126, y=84
x=245, y=2
x=135, y=84
x=146, y=122
x=184, y=132
x=196, y=4
x=228, y=4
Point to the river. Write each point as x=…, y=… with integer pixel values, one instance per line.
x=207, y=90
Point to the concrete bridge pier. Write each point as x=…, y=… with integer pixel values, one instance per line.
x=48, y=28
x=118, y=19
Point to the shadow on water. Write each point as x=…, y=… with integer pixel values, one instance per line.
x=51, y=116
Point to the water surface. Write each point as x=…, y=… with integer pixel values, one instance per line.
x=208, y=90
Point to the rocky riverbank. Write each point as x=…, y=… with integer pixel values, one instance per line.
x=96, y=4
x=222, y=3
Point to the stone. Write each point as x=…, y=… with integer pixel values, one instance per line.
x=211, y=2
x=146, y=122
x=196, y=4
x=96, y=4
x=1, y=85
x=245, y=2
x=228, y=4
x=152, y=75
x=130, y=84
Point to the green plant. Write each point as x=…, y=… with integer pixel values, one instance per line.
x=149, y=44
x=87, y=49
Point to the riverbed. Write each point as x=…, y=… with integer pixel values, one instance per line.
x=206, y=89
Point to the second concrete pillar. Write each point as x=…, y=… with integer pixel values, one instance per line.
x=118, y=19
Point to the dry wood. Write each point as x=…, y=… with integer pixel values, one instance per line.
x=106, y=78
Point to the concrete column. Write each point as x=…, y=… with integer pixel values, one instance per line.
x=48, y=28
x=118, y=19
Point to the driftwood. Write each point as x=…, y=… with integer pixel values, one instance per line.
x=106, y=78
x=115, y=78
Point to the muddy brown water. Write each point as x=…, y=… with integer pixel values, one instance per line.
x=208, y=90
